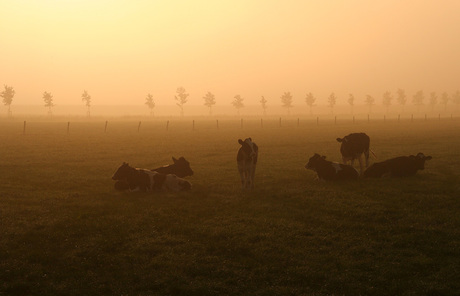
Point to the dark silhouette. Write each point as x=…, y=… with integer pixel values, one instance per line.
x=150, y=103
x=134, y=179
x=238, y=103
x=209, y=101
x=263, y=102
x=353, y=146
x=330, y=171
x=401, y=166
x=180, y=168
x=48, y=98
x=7, y=96
x=247, y=161
x=286, y=100
x=181, y=99
x=85, y=97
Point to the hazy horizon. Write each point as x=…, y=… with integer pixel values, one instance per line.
x=119, y=51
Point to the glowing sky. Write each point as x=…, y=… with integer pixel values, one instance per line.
x=121, y=50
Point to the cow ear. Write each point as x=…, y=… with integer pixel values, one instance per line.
x=240, y=141
x=339, y=140
x=174, y=159
x=181, y=158
x=250, y=139
x=428, y=157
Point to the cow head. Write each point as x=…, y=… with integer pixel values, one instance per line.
x=121, y=186
x=420, y=160
x=174, y=183
x=248, y=147
x=183, y=167
x=314, y=161
x=122, y=172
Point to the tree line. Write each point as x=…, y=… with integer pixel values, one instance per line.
x=181, y=98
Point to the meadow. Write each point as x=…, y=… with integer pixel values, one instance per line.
x=64, y=230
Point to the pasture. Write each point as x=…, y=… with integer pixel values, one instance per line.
x=64, y=230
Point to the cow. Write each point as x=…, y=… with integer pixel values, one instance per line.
x=246, y=160
x=331, y=171
x=180, y=168
x=135, y=179
x=401, y=166
x=353, y=147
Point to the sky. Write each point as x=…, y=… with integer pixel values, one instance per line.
x=121, y=50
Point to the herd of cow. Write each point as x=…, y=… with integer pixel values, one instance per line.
x=353, y=146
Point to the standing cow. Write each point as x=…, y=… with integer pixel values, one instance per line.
x=247, y=161
x=353, y=147
x=401, y=166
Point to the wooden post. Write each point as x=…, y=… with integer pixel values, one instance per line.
x=298, y=122
x=105, y=129
x=167, y=125
x=384, y=118
x=217, y=123
x=139, y=126
x=439, y=116
x=68, y=126
x=399, y=116
x=335, y=119
x=261, y=123
x=280, y=121
x=367, y=118
x=317, y=120
x=241, y=122
x=425, y=117
x=193, y=124
x=353, y=119
x=24, y=130
x=412, y=118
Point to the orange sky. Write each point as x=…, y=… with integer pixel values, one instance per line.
x=121, y=50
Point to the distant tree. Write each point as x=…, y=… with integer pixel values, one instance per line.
x=456, y=98
x=263, y=102
x=209, y=101
x=238, y=103
x=48, y=98
x=286, y=101
x=445, y=99
x=433, y=100
x=181, y=99
x=351, y=102
x=370, y=101
x=150, y=103
x=85, y=97
x=386, y=100
x=8, y=95
x=417, y=99
x=401, y=98
x=332, y=100
x=310, y=100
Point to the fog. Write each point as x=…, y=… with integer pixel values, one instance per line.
x=120, y=51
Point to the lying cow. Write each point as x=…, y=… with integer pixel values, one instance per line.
x=134, y=179
x=353, y=147
x=247, y=161
x=401, y=166
x=331, y=171
x=180, y=168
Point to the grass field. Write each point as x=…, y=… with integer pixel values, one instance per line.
x=65, y=231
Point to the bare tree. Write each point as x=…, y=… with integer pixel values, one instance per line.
x=238, y=103
x=310, y=100
x=445, y=99
x=48, y=98
x=386, y=100
x=370, y=101
x=417, y=99
x=351, y=102
x=456, y=98
x=286, y=101
x=209, y=101
x=263, y=102
x=433, y=100
x=8, y=95
x=401, y=98
x=181, y=99
x=85, y=97
x=150, y=103
x=332, y=100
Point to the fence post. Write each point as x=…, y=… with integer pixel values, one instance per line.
x=425, y=117
x=335, y=120
x=367, y=118
x=68, y=126
x=139, y=126
x=280, y=121
x=261, y=123
x=217, y=123
x=411, y=117
x=353, y=119
x=105, y=129
x=193, y=124
x=24, y=130
x=241, y=122
x=384, y=118
x=399, y=116
x=298, y=122
x=317, y=120
x=167, y=125
x=439, y=116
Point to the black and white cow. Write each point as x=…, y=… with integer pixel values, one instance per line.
x=247, y=161
x=401, y=166
x=331, y=171
x=353, y=147
x=134, y=179
x=180, y=167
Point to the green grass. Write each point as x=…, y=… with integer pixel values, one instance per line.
x=65, y=231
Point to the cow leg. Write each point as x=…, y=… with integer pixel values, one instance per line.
x=360, y=159
x=366, y=155
x=242, y=175
x=344, y=160
x=252, y=174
